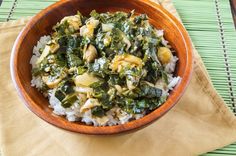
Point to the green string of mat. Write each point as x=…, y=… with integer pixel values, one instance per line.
x=226, y=59
x=5, y=9
x=201, y=20
x=12, y=10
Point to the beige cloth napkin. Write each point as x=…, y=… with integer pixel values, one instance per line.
x=200, y=122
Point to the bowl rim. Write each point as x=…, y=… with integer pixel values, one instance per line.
x=106, y=130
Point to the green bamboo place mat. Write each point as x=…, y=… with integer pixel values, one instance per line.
x=210, y=25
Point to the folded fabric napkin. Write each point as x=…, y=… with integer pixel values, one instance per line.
x=199, y=123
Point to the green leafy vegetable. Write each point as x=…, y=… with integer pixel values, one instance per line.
x=108, y=57
x=69, y=100
x=150, y=91
x=98, y=111
x=100, y=67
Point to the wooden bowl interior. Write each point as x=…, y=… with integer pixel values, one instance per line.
x=42, y=25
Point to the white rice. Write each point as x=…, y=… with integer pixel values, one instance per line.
x=37, y=81
x=115, y=115
x=159, y=33
x=170, y=67
x=173, y=82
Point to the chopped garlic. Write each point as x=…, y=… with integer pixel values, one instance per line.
x=90, y=103
x=85, y=79
x=125, y=60
x=164, y=55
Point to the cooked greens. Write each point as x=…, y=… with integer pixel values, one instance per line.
x=105, y=62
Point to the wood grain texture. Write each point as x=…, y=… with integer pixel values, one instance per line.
x=42, y=24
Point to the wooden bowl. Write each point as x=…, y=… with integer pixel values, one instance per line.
x=42, y=23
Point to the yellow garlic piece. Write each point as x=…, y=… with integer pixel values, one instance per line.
x=90, y=103
x=73, y=21
x=164, y=55
x=85, y=79
x=123, y=60
x=90, y=54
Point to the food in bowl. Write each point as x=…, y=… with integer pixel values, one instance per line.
x=104, y=70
